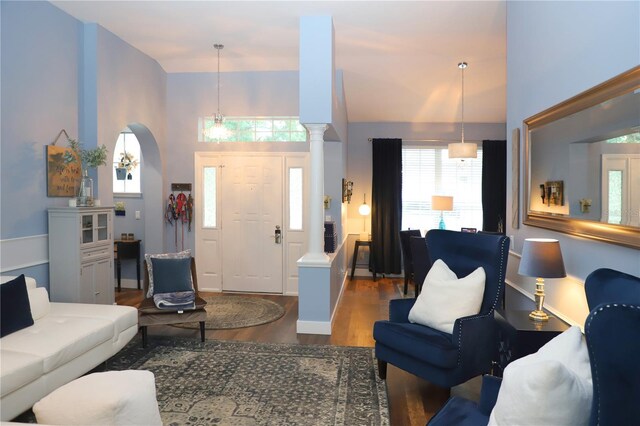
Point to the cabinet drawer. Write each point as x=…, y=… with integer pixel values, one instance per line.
x=95, y=253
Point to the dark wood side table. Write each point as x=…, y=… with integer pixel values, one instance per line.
x=518, y=336
x=363, y=243
x=127, y=249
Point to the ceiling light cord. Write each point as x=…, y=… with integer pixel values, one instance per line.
x=218, y=47
x=462, y=66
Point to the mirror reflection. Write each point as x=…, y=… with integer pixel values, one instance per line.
x=582, y=168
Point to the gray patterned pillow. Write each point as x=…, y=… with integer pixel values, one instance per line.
x=148, y=257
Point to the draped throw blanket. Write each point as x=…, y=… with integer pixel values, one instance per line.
x=494, y=186
x=177, y=301
x=386, y=205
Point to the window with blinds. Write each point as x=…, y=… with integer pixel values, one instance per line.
x=427, y=171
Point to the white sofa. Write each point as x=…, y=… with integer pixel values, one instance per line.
x=66, y=341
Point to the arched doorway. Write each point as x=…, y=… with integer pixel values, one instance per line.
x=147, y=206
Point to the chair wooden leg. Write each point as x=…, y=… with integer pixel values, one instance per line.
x=382, y=369
x=144, y=336
x=202, y=331
x=119, y=273
x=138, y=272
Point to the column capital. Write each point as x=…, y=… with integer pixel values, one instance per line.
x=316, y=129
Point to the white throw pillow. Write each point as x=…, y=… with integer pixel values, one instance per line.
x=551, y=387
x=148, y=257
x=445, y=297
x=39, y=302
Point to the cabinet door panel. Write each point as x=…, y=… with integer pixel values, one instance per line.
x=86, y=292
x=103, y=281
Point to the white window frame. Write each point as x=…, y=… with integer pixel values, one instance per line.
x=420, y=183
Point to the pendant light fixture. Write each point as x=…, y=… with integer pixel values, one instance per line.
x=461, y=149
x=218, y=131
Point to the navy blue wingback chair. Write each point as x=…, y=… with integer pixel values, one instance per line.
x=441, y=358
x=612, y=330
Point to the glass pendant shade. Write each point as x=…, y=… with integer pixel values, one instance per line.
x=217, y=131
x=364, y=209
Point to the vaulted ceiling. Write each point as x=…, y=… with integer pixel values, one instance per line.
x=399, y=57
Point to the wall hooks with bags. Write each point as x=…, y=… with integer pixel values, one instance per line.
x=179, y=209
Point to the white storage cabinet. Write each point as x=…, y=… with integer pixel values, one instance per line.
x=81, y=255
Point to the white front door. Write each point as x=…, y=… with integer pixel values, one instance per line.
x=251, y=210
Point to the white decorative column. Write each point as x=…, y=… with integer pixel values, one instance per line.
x=315, y=251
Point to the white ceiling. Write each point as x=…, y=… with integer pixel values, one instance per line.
x=399, y=57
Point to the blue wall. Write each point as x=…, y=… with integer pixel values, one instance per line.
x=555, y=50
x=60, y=73
x=40, y=54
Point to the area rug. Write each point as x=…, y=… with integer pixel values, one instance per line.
x=244, y=383
x=225, y=312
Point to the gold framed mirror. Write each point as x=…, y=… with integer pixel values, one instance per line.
x=582, y=164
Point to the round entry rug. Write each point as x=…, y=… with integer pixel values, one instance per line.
x=237, y=312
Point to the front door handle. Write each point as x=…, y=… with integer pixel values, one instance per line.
x=278, y=235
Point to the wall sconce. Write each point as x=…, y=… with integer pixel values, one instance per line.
x=327, y=202
x=585, y=204
x=347, y=190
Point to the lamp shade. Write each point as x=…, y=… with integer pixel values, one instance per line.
x=541, y=258
x=364, y=209
x=442, y=202
x=463, y=150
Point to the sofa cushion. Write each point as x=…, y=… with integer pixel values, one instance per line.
x=39, y=302
x=60, y=339
x=171, y=275
x=18, y=369
x=423, y=343
x=15, y=310
x=122, y=317
x=31, y=282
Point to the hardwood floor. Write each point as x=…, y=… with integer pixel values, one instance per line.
x=412, y=401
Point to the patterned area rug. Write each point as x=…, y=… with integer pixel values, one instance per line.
x=237, y=312
x=244, y=383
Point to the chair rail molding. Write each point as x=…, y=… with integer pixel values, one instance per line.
x=23, y=252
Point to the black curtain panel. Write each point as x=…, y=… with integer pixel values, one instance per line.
x=494, y=186
x=386, y=205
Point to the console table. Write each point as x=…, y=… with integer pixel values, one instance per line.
x=124, y=250
x=519, y=336
x=363, y=243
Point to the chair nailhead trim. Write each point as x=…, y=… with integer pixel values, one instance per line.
x=592, y=356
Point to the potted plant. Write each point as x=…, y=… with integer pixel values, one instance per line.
x=89, y=158
x=126, y=164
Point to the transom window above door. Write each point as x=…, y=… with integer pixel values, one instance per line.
x=254, y=129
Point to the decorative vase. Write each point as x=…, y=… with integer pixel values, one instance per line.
x=85, y=192
x=121, y=173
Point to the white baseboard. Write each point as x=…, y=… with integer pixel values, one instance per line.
x=313, y=327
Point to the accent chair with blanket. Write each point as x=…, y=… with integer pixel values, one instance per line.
x=171, y=293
